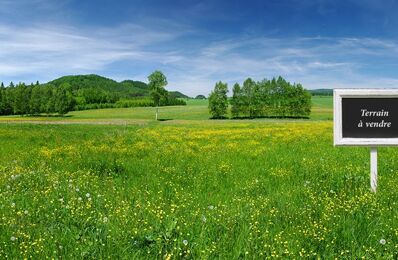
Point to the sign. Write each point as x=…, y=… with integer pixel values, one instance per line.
x=365, y=117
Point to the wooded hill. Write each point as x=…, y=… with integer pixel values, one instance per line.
x=78, y=93
x=124, y=90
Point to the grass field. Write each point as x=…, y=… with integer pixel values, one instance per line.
x=194, y=189
x=247, y=189
x=195, y=110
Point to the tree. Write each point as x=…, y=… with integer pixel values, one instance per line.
x=21, y=99
x=200, y=97
x=157, y=82
x=63, y=99
x=2, y=93
x=236, y=101
x=218, y=100
x=35, y=100
x=248, y=98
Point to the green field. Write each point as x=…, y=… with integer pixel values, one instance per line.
x=195, y=189
x=195, y=110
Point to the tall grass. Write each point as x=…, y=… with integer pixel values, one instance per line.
x=232, y=190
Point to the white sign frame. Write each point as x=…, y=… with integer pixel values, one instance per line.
x=338, y=95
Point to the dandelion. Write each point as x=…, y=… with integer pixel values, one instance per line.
x=204, y=219
x=13, y=238
x=185, y=242
x=26, y=212
x=105, y=219
x=80, y=198
x=12, y=205
x=88, y=195
x=61, y=200
x=383, y=241
x=77, y=190
x=211, y=207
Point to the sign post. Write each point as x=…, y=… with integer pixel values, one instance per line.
x=373, y=169
x=366, y=117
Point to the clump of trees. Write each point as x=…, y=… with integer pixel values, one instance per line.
x=218, y=100
x=200, y=97
x=266, y=98
x=35, y=99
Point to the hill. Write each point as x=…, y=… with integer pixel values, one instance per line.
x=177, y=94
x=124, y=89
x=321, y=92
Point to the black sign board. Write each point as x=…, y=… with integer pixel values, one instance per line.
x=369, y=117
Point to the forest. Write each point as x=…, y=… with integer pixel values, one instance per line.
x=80, y=92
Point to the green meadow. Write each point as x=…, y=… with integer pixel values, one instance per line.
x=195, y=110
x=190, y=188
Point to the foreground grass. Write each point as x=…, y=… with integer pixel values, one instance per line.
x=250, y=189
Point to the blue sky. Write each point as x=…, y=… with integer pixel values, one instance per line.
x=320, y=43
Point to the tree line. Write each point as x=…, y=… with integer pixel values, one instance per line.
x=266, y=98
x=35, y=99
x=60, y=96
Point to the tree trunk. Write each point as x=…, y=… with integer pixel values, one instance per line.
x=157, y=111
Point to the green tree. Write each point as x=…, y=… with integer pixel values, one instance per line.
x=63, y=99
x=248, y=97
x=236, y=101
x=7, y=100
x=21, y=99
x=218, y=100
x=35, y=100
x=47, y=104
x=2, y=93
x=157, y=82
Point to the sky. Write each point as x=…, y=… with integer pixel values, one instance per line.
x=318, y=43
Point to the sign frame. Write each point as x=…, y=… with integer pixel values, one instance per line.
x=338, y=95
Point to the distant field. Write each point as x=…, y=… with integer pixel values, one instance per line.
x=195, y=110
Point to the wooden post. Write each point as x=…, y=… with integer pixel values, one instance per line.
x=157, y=111
x=373, y=169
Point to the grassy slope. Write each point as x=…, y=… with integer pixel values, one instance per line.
x=195, y=110
x=245, y=189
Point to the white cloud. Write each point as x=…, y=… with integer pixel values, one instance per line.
x=42, y=52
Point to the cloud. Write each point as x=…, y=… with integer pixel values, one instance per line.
x=48, y=50
x=192, y=63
